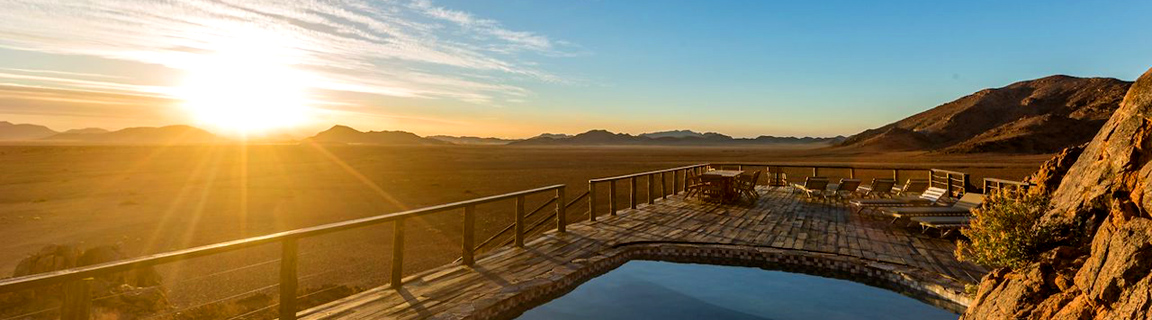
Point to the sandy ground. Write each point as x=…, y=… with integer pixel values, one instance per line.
x=156, y=199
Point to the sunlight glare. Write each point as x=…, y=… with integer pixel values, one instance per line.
x=246, y=86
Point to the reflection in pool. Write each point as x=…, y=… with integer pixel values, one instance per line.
x=664, y=290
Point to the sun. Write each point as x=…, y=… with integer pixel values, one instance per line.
x=245, y=87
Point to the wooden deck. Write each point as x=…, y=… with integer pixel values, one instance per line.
x=779, y=221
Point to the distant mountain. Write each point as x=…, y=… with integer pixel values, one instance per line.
x=346, y=135
x=473, y=140
x=86, y=131
x=672, y=138
x=178, y=134
x=14, y=132
x=554, y=135
x=1035, y=116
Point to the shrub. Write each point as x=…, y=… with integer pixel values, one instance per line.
x=1005, y=231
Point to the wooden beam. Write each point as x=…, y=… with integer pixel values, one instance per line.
x=468, y=251
x=651, y=188
x=519, y=229
x=288, y=280
x=591, y=201
x=397, y=253
x=77, y=304
x=632, y=193
x=612, y=197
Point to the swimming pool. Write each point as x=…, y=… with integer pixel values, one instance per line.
x=665, y=290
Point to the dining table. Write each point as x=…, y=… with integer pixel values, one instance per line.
x=725, y=181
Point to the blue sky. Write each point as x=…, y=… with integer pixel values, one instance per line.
x=517, y=68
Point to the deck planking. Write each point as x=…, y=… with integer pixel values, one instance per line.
x=779, y=220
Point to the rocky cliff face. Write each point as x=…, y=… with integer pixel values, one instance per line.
x=1102, y=267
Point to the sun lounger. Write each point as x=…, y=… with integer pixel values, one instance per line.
x=845, y=187
x=876, y=189
x=928, y=198
x=912, y=186
x=945, y=224
x=813, y=186
x=962, y=207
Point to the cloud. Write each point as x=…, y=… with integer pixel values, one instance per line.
x=395, y=48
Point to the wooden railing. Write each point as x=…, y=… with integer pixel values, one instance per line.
x=954, y=181
x=76, y=281
x=679, y=177
x=993, y=185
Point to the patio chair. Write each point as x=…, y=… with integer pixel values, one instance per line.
x=812, y=186
x=962, y=207
x=928, y=198
x=878, y=187
x=746, y=185
x=693, y=185
x=845, y=187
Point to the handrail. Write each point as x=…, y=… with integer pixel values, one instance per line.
x=994, y=184
x=288, y=243
x=636, y=175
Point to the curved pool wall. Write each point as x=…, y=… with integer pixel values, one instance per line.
x=929, y=287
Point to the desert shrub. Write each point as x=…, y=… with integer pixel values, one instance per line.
x=1005, y=231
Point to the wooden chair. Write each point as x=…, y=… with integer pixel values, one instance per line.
x=693, y=185
x=746, y=186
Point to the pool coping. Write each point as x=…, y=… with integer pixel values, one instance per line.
x=514, y=300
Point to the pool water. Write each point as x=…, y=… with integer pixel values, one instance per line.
x=664, y=290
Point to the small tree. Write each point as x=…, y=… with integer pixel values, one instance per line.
x=1005, y=231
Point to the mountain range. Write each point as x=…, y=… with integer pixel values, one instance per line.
x=1035, y=116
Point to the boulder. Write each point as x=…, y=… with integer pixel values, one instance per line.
x=1103, y=204
x=1048, y=178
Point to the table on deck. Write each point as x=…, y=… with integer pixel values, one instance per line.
x=726, y=182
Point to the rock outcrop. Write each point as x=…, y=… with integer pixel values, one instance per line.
x=1048, y=178
x=1101, y=267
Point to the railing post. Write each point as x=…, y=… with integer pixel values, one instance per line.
x=896, y=175
x=684, y=180
x=519, y=228
x=663, y=186
x=851, y=173
x=815, y=171
x=468, y=253
x=740, y=167
x=675, y=181
x=288, y=280
x=77, y=304
x=651, y=187
x=591, y=201
x=397, y=253
x=561, y=211
x=632, y=193
x=948, y=176
x=612, y=197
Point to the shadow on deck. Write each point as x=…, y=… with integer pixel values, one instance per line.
x=780, y=231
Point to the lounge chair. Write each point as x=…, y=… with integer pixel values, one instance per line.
x=846, y=186
x=928, y=198
x=912, y=187
x=812, y=186
x=945, y=224
x=878, y=187
x=962, y=207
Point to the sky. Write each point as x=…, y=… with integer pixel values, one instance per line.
x=518, y=68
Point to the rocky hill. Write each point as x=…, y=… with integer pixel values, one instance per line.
x=673, y=138
x=12, y=132
x=1035, y=116
x=346, y=135
x=1101, y=266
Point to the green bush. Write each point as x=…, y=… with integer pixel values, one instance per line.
x=1006, y=231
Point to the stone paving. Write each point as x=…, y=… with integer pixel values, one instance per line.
x=780, y=231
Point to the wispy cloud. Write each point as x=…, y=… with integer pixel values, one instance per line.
x=413, y=49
